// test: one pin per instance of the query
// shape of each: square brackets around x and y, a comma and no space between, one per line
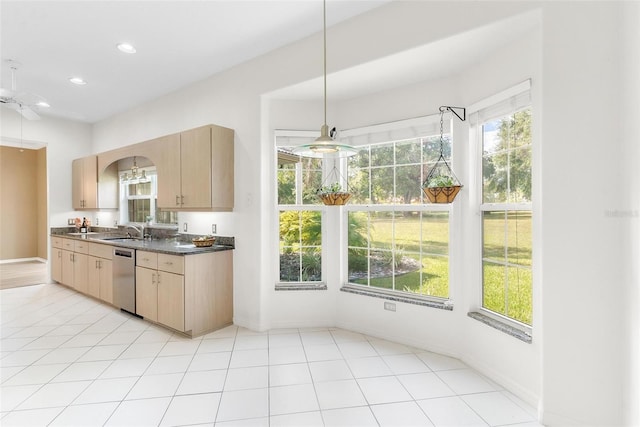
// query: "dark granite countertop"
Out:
[178,245]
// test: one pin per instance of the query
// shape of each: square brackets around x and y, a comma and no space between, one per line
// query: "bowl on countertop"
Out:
[203,243]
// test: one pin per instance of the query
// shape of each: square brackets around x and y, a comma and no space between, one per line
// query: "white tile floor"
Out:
[68,360]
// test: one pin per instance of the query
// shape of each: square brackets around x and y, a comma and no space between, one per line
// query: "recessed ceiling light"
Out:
[43,104]
[77,81]
[126,48]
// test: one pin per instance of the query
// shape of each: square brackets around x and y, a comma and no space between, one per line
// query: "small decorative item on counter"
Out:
[204,241]
[78,223]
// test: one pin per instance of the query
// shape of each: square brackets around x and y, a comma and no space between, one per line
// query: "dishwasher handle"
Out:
[123,253]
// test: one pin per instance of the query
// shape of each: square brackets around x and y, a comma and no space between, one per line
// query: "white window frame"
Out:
[393,132]
[509,101]
[292,138]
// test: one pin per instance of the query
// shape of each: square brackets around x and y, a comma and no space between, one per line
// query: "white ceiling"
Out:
[178,42]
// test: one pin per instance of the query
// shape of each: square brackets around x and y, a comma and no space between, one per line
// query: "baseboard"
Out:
[16,260]
[398,339]
[526,395]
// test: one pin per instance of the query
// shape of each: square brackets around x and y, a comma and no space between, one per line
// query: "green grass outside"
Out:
[515,302]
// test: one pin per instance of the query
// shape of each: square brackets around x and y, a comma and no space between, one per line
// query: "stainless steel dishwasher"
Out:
[124,279]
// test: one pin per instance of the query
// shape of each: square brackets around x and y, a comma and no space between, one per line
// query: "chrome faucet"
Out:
[139,229]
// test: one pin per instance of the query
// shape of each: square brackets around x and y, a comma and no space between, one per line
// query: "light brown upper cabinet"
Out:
[195,169]
[84,188]
[90,191]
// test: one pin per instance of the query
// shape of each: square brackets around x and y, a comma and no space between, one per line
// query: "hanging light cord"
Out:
[324,53]
[442,110]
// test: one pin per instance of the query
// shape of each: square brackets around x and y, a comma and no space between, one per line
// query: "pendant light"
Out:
[135,178]
[325,145]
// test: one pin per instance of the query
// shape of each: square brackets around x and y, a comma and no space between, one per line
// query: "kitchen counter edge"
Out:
[167,246]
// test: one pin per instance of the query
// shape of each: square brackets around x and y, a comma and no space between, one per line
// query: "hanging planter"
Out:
[441,184]
[333,194]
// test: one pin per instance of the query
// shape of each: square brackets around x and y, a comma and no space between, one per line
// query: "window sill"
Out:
[301,287]
[391,296]
[501,326]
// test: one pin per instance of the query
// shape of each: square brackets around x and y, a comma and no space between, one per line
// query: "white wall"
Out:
[630,111]
[577,371]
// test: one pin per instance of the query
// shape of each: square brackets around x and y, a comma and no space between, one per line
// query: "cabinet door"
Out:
[67,268]
[166,156]
[81,272]
[171,300]
[84,189]
[56,264]
[195,161]
[77,177]
[90,182]
[147,293]
[222,175]
[93,276]
[106,280]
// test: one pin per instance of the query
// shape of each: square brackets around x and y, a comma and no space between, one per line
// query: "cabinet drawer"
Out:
[67,244]
[101,251]
[81,247]
[147,259]
[171,263]
[56,242]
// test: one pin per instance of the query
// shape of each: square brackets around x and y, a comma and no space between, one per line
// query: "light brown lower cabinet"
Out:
[191,294]
[56,259]
[101,279]
[67,268]
[84,266]
[160,288]
[101,272]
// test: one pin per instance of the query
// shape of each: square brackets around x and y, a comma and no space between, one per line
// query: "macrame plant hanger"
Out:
[441,184]
[334,194]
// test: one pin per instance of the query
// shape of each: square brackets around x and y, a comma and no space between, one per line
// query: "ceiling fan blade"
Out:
[24,111]
[28,113]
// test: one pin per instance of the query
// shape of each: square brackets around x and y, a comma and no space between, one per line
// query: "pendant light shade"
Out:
[325,145]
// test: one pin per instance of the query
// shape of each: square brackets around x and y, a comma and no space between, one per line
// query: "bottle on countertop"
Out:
[83,227]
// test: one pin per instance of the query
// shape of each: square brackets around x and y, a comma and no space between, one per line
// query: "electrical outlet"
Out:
[214,228]
[71,221]
[97,221]
[390,306]
[184,227]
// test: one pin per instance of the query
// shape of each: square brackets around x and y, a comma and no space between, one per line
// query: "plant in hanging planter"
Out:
[442,185]
[441,188]
[333,194]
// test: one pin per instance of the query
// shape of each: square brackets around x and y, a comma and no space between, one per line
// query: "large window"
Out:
[506,216]
[395,240]
[300,218]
